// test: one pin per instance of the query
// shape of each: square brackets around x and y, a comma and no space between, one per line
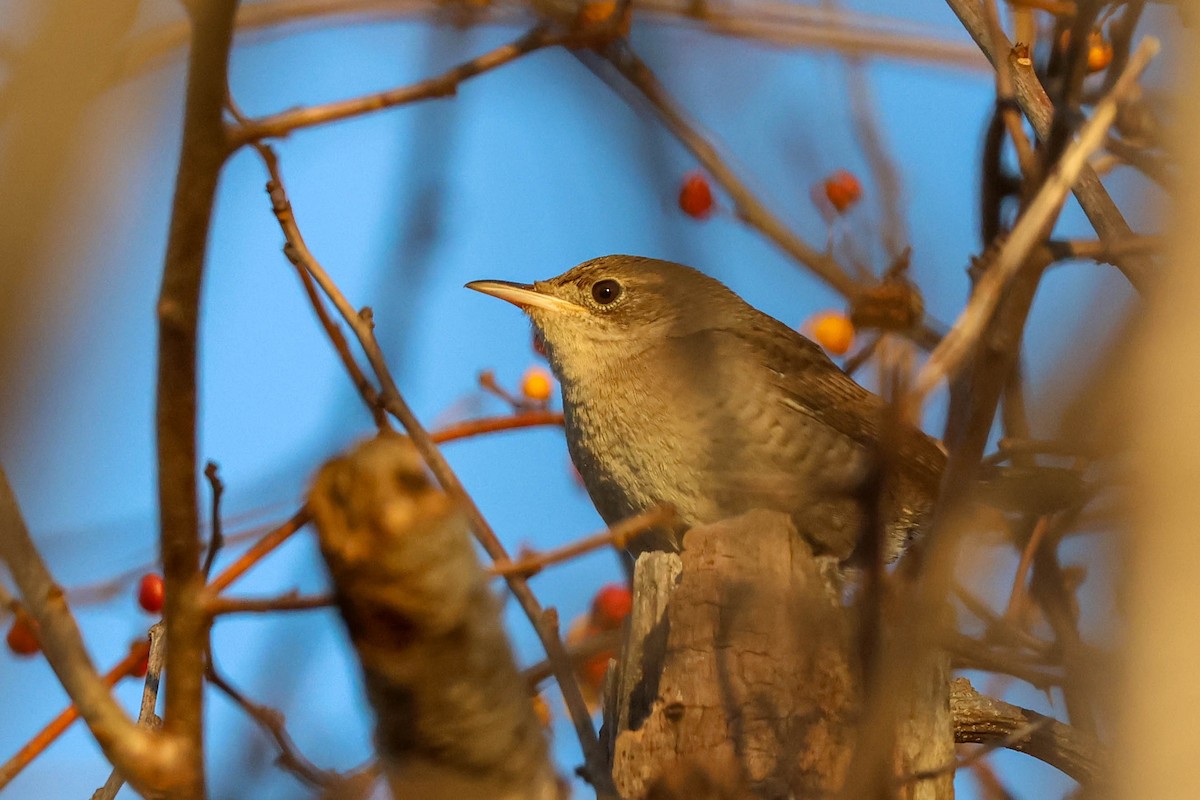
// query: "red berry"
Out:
[21,638]
[695,196]
[141,667]
[593,670]
[151,592]
[611,606]
[842,190]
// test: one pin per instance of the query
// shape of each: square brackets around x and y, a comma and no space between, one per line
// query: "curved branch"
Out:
[138,753]
[982,720]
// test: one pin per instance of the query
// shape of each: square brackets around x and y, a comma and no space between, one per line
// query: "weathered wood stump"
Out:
[741,678]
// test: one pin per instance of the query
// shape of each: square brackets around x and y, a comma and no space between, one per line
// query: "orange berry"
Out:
[1100,52]
[537,384]
[542,709]
[834,332]
[611,606]
[21,638]
[695,196]
[594,12]
[842,190]
[151,593]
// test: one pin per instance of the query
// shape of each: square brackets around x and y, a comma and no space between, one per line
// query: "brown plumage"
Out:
[676,390]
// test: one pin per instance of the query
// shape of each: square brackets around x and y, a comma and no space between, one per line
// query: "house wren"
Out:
[675,390]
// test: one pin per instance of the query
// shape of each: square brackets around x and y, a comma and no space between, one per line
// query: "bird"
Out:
[677,391]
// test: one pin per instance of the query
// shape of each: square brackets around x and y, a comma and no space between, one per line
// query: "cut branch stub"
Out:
[454,716]
[739,668]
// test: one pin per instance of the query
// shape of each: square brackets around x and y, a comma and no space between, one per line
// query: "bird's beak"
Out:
[524,296]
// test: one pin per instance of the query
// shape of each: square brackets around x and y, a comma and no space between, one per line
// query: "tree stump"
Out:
[741,677]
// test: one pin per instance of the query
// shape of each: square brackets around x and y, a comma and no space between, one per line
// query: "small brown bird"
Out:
[675,390]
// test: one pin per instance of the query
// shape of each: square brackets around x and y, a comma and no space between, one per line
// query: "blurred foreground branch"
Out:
[454,716]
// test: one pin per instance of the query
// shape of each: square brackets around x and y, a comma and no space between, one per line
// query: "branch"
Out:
[275,726]
[1099,207]
[148,760]
[205,147]
[781,25]
[59,725]
[444,85]
[982,720]
[291,601]
[362,325]
[146,716]
[454,717]
[1033,226]
[618,536]
[747,206]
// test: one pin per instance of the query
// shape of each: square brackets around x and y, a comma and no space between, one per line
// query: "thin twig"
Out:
[273,723]
[146,715]
[746,204]
[290,601]
[216,540]
[779,24]
[444,85]
[618,536]
[252,556]
[362,325]
[947,358]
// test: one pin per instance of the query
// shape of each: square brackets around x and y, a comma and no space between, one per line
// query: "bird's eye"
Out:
[606,291]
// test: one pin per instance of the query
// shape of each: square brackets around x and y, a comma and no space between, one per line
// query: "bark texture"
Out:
[741,679]
[454,716]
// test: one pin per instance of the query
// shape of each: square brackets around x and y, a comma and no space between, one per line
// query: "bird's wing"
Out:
[807,382]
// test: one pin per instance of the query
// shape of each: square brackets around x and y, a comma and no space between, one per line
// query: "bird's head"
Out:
[611,309]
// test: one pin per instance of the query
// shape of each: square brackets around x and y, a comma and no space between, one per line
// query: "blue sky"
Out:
[529,170]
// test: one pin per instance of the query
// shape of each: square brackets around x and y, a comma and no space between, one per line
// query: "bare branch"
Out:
[746,203]
[362,325]
[146,716]
[982,720]
[1033,226]
[444,85]
[618,536]
[290,601]
[146,758]
[205,147]
[1099,207]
